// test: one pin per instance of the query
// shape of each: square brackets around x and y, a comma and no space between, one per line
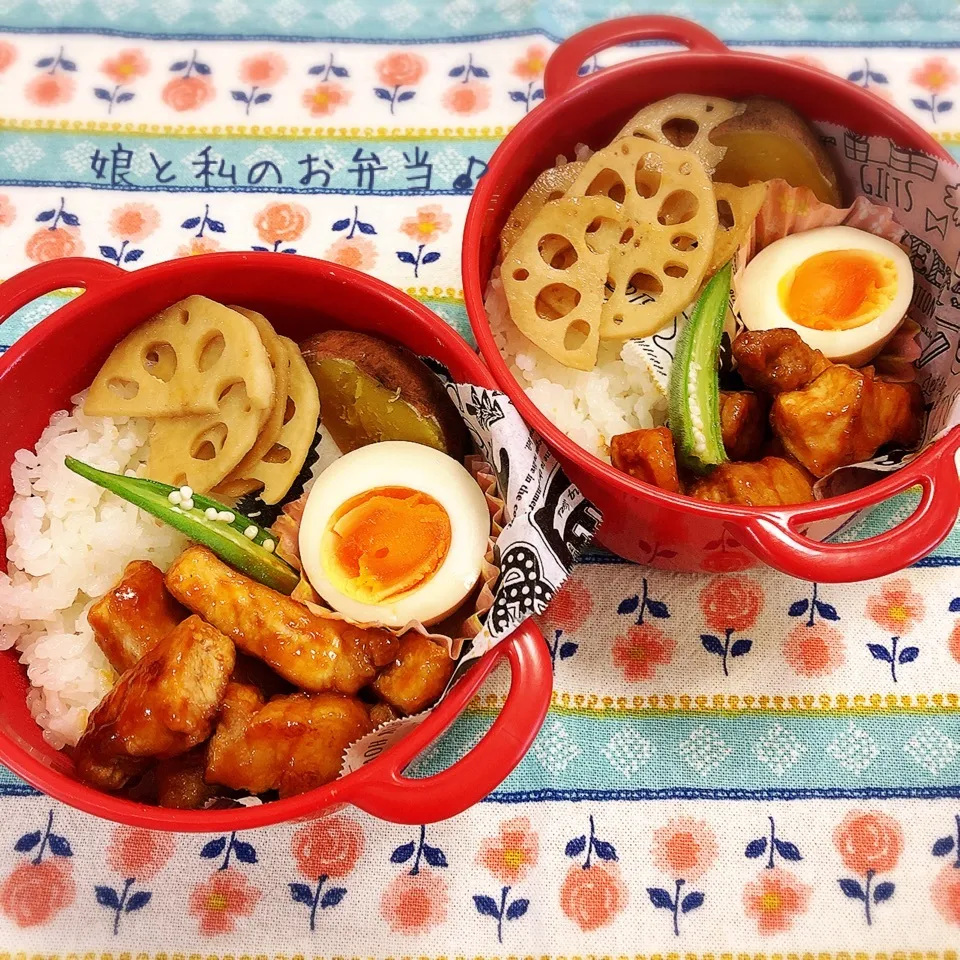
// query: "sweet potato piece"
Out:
[371,390]
[647,455]
[770,141]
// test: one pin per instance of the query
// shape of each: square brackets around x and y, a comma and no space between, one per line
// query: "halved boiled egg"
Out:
[842,290]
[394,532]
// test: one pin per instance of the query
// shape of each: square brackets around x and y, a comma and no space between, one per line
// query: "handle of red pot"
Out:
[23,288]
[561,72]
[388,794]
[774,540]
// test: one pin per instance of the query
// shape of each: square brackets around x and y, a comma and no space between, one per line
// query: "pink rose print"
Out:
[416,900]
[423,229]
[897,608]
[814,649]
[217,903]
[328,848]
[8,212]
[281,223]
[467,98]
[685,850]
[530,67]
[35,892]
[398,70]
[469,95]
[8,53]
[945,893]
[868,843]
[192,89]
[729,604]
[60,239]
[413,904]
[592,894]
[358,254]
[509,857]
[260,72]
[135,854]
[775,899]
[645,646]
[39,888]
[123,69]
[130,223]
[52,88]
[568,608]
[935,75]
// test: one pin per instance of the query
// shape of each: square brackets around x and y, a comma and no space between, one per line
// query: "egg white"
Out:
[397,463]
[759,304]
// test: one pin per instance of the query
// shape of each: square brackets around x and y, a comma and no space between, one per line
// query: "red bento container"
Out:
[301,296]
[641,522]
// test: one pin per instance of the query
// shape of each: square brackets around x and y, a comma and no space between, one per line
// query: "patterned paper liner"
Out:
[454,631]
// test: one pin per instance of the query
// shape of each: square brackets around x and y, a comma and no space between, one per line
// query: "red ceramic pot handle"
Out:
[25,287]
[774,540]
[389,795]
[561,72]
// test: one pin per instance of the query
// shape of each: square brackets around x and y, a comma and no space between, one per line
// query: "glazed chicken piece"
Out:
[291,744]
[134,616]
[776,360]
[180,783]
[160,708]
[743,423]
[844,417]
[647,455]
[770,482]
[312,652]
[417,677]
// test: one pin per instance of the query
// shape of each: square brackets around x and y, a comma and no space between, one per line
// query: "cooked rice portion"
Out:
[68,542]
[590,406]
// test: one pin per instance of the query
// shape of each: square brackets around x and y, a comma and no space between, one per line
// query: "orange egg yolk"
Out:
[385,543]
[838,289]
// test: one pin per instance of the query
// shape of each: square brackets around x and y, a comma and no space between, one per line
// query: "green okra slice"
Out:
[238,541]
[695,380]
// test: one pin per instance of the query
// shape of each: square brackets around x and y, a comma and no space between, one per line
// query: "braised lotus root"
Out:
[200,451]
[737,208]
[555,273]
[180,362]
[278,467]
[280,361]
[552,184]
[668,216]
[685,120]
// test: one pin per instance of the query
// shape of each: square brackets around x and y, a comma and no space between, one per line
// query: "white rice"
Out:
[68,542]
[590,407]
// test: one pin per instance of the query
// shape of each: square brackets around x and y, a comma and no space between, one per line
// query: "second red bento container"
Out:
[642,522]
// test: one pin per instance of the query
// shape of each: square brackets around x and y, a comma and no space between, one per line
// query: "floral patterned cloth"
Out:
[735,762]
